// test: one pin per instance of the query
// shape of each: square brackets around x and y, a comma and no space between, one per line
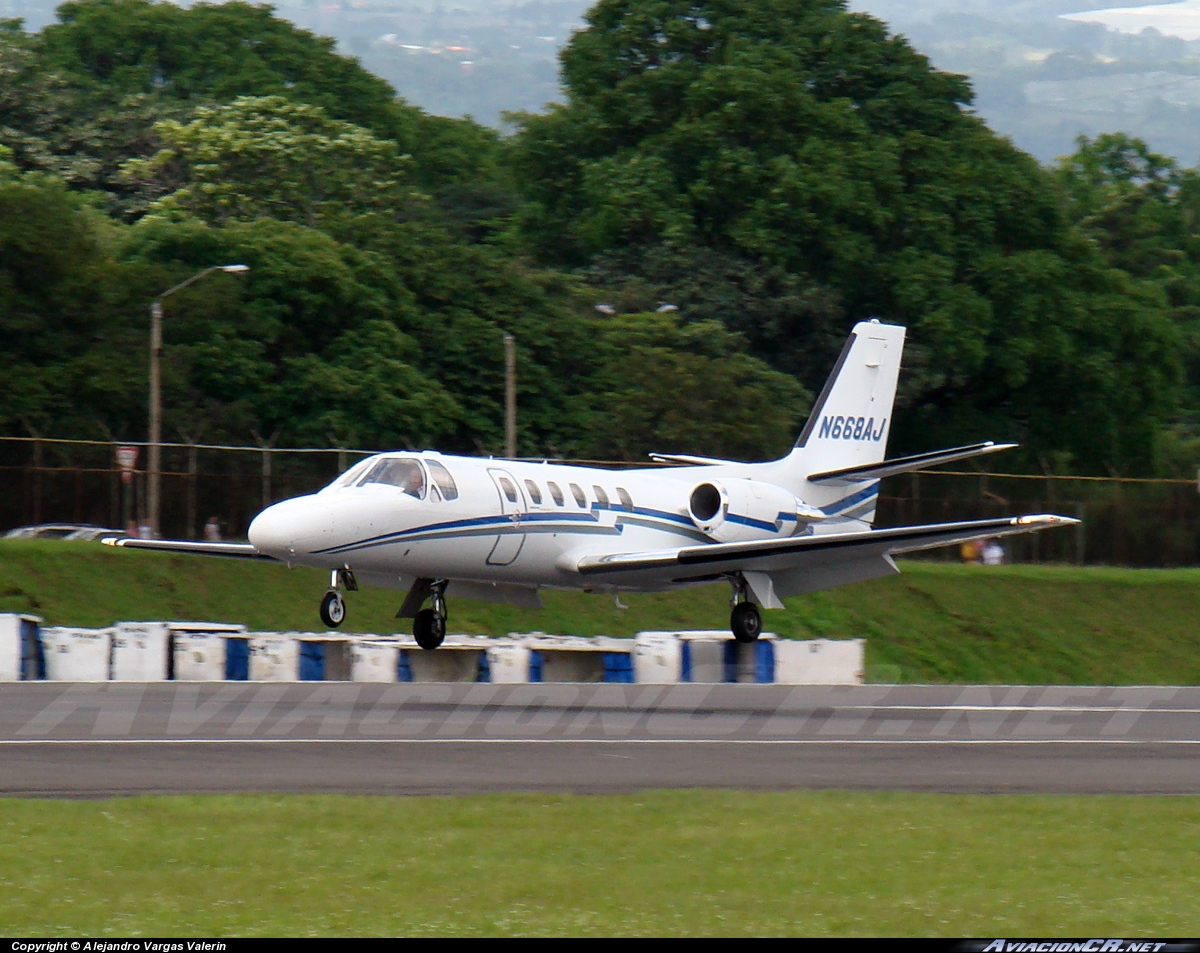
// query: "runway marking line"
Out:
[909,742]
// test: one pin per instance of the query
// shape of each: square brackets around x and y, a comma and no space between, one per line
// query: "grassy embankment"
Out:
[658,863]
[936,622]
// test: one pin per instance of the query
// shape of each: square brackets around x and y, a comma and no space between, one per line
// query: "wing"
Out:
[229,550]
[802,563]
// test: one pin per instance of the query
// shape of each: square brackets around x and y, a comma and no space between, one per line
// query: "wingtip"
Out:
[1045,519]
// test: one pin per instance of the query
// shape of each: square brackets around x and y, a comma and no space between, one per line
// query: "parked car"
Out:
[94,532]
[62,531]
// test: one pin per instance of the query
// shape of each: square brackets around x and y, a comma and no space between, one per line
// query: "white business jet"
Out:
[499,530]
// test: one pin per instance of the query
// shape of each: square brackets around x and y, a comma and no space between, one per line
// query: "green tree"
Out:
[805,146]
[268,157]
[1141,211]
[687,389]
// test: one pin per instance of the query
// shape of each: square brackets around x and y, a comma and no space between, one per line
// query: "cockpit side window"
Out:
[445,482]
[402,472]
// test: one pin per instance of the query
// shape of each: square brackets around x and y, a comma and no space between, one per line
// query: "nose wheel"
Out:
[333,609]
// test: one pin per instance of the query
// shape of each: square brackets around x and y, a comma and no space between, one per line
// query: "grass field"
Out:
[659,863]
[937,622]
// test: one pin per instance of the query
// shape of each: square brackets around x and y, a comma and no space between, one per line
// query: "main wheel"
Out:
[333,609]
[429,629]
[746,622]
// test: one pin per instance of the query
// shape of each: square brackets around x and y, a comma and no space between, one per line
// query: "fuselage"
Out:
[518,522]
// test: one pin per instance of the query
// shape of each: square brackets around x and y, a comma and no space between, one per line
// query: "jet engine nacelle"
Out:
[737,510]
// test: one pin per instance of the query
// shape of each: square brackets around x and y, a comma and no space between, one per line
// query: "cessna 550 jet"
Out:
[437,526]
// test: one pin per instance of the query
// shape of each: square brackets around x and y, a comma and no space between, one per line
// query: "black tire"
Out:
[745,622]
[429,629]
[333,609]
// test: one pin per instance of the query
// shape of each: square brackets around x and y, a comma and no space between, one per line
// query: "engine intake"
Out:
[737,510]
[705,503]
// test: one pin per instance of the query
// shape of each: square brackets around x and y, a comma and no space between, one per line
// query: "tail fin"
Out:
[850,421]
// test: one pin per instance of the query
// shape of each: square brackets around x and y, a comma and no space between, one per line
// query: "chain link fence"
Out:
[1126,522]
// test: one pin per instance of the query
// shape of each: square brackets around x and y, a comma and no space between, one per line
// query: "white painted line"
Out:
[909,742]
[1059,708]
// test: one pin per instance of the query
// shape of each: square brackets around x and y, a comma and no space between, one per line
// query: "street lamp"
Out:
[154,464]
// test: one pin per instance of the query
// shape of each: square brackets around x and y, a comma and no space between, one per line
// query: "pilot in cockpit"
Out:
[414,483]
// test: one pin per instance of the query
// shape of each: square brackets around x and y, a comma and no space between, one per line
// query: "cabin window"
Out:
[535,494]
[555,492]
[601,496]
[509,490]
[402,472]
[443,479]
[577,492]
[626,499]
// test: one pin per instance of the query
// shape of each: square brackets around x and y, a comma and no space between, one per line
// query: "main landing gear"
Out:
[429,625]
[745,621]
[333,606]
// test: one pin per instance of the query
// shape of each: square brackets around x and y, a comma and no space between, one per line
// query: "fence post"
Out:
[114,490]
[265,446]
[266,478]
[1080,536]
[191,491]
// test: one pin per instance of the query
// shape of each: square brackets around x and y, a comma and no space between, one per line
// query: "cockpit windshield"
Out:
[348,478]
[402,472]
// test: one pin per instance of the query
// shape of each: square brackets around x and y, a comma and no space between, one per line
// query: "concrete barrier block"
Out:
[372,661]
[274,657]
[141,652]
[657,658]
[198,656]
[21,653]
[819,662]
[509,663]
[77,655]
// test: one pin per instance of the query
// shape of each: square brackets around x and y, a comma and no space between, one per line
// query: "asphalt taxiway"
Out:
[94,739]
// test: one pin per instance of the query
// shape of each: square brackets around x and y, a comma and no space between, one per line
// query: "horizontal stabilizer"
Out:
[692,461]
[229,550]
[920,461]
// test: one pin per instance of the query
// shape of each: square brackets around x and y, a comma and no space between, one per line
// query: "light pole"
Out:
[510,396]
[154,463]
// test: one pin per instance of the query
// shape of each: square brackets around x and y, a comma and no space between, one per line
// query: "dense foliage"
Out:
[724,156]
[775,170]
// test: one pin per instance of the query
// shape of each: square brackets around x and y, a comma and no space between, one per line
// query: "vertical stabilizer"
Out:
[850,422]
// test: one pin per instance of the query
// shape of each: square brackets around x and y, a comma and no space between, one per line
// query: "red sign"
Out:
[127,461]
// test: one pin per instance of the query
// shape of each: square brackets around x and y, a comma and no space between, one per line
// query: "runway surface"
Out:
[86,740]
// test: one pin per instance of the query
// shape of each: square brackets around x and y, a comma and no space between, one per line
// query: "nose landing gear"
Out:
[333,606]
[333,609]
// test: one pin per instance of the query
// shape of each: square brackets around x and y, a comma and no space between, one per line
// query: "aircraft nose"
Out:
[274,530]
